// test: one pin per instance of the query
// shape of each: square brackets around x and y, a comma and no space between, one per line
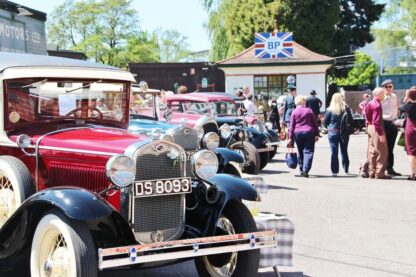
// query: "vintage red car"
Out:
[258,146]
[78,193]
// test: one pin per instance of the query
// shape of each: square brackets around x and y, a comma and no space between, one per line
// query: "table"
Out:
[282,254]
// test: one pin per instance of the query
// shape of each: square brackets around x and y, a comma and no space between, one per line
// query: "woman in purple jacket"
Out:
[305,132]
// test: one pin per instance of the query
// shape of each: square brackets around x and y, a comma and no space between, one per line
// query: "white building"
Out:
[268,77]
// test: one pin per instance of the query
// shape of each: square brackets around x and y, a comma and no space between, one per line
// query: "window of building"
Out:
[269,87]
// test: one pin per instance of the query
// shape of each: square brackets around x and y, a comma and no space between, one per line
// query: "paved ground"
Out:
[345,226]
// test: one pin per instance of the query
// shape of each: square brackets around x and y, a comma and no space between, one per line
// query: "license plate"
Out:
[190,154]
[162,187]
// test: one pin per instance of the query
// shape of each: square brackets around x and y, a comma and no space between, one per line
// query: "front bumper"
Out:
[187,248]
[269,147]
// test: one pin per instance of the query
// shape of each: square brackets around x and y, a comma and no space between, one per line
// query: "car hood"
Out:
[146,125]
[230,120]
[98,139]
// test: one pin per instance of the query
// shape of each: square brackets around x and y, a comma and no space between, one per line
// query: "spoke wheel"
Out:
[7,199]
[236,218]
[15,186]
[62,247]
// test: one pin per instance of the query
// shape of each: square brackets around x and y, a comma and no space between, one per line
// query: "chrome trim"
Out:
[273,143]
[196,247]
[131,150]
[76,150]
[206,119]
[265,149]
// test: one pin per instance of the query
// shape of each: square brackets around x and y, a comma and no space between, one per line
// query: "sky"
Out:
[185,16]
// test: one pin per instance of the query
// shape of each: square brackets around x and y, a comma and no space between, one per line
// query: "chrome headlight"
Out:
[156,133]
[269,125]
[225,131]
[200,131]
[120,170]
[205,164]
[211,141]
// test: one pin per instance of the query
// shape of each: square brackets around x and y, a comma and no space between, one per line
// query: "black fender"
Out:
[226,155]
[232,189]
[107,226]
[256,138]
[273,136]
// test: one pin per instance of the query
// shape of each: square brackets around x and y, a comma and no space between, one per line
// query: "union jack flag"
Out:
[273,45]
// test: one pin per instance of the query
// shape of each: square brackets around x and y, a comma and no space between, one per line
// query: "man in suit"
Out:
[314,103]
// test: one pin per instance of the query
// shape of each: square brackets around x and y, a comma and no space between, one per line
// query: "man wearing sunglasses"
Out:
[390,107]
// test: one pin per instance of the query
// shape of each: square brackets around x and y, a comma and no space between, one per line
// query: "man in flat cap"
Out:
[390,107]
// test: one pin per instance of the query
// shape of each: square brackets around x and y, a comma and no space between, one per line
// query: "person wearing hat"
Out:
[314,103]
[289,105]
[390,107]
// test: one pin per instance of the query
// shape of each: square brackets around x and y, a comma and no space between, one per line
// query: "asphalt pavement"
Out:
[345,225]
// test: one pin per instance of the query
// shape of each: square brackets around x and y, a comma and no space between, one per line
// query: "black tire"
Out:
[273,153]
[247,261]
[264,159]
[251,156]
[72,238]
[16,182]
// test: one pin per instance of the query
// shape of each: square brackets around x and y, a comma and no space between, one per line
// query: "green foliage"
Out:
[331,27]
[172,44]
[399,70]
[362,73]
[107,31]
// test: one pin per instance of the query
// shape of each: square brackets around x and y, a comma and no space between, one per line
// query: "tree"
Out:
[172,44]
[329,27]
[104,30]
[363,72]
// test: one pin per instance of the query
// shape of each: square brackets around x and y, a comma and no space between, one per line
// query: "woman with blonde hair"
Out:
[305,132]
[337,135]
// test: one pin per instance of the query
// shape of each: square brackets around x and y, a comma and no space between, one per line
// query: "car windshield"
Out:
[143,104]
[211,108]
[37,100]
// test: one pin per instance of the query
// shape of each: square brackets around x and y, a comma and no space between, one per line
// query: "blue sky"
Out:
[185,16]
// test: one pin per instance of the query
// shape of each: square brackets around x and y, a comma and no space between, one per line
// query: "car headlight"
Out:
[225,131]
[205,164]
[269,125]
[200,131]
[211,141]
[156,133]
[120,170]
[167,137]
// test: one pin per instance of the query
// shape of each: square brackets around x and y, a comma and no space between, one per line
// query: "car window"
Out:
[34,100]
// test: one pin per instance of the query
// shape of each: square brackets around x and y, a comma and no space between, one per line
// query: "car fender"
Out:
[107,226]
[228,155]
[205,217]
[256,138]
[273,136]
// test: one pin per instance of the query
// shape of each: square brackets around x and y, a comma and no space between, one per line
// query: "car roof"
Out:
[201,97]
[9,60]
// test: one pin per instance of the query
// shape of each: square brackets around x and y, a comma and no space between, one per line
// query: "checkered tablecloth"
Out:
[257,182]
[281,255]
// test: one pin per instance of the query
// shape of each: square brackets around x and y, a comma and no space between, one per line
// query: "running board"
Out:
[187,248]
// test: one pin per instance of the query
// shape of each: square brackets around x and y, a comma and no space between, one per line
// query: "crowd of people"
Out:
[384,117]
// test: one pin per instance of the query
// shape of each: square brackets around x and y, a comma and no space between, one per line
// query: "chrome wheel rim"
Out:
[55,256]
[228,269]
[7,199]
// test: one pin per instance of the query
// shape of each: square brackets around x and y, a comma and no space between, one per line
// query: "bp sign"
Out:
[273,45]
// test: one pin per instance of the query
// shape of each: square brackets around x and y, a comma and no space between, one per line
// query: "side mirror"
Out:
[168,114]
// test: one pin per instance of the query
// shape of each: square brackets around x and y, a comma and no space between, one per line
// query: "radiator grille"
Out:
[88,177]
[187,138]
[163,214]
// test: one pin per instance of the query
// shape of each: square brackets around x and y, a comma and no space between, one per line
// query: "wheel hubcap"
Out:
[7,199]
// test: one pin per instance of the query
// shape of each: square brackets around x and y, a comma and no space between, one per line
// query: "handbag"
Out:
[291,158]
[401,140]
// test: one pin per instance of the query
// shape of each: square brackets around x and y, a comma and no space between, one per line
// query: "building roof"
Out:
[8,60]
[301,55]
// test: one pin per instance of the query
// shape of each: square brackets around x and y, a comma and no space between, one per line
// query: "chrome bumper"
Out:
[266,149]
[187,248]
[270,144]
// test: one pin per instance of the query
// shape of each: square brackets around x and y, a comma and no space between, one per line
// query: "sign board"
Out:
[273,45]
[204,82]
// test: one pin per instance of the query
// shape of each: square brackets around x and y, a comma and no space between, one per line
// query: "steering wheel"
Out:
[74,112]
